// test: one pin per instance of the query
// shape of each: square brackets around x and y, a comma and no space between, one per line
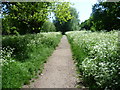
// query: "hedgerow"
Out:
[97,58]
[23,56]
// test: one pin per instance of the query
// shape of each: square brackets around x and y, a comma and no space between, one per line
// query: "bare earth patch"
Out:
[59,71]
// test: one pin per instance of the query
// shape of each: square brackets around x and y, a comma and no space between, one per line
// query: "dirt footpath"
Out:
[59,71]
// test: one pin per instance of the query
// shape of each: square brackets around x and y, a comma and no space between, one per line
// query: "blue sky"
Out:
[84,7]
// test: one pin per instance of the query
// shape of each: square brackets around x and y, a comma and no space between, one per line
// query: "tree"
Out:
[73,24]
[28,17]
[70,25]
[87,24]
[48,27]
[25,17]
[105,16]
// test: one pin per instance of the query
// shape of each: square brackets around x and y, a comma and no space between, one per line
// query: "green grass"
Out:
[23,56]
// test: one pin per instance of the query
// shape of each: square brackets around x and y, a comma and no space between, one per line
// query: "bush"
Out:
[97,58]
[23,56]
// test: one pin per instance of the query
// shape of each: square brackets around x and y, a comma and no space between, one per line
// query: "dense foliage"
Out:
[28,17]
[48,27]
[105,16]
[23,56]
[97,57]
[70,25]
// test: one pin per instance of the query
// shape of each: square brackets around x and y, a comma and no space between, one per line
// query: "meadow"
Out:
[94,43]
[23,57]
[97,58]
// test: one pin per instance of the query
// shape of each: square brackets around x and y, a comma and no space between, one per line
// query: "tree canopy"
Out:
[28,17]
[105,16]
[48,27]
[70,25]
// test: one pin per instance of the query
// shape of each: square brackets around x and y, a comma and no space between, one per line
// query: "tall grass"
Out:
[23,56]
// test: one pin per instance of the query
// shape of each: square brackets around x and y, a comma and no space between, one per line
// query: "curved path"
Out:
[59,71]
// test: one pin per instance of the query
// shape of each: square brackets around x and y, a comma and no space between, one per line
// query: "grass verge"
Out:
[23,56]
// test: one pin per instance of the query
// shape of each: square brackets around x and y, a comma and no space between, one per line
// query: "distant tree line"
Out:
[32,17]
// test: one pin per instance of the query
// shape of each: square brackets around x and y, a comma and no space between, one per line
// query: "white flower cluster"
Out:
[29,43]
[101,58]
[6,56]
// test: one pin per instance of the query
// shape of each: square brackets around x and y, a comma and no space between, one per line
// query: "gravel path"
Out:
[59,71]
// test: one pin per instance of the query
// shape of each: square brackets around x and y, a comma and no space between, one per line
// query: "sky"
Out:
[84,7]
